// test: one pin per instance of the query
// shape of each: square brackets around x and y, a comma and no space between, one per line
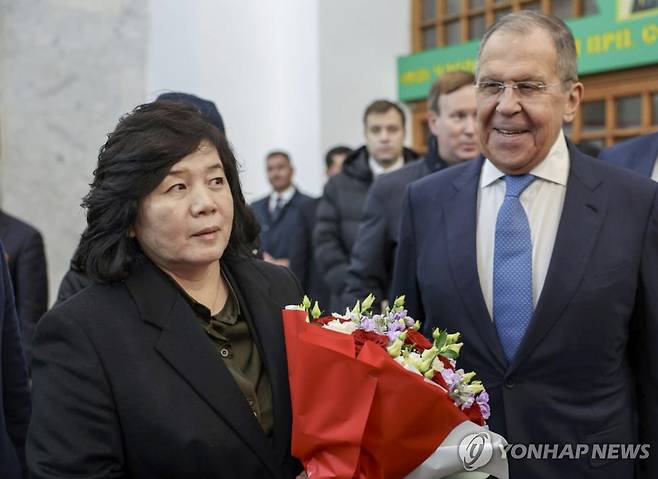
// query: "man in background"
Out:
[452,122]
[26,258]
[302,260]
[340,209]
[639,154]
[278,212]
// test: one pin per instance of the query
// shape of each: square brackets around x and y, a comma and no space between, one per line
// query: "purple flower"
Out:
[468,402]
[450,377]
[483,402]
[393,334]
[368,324]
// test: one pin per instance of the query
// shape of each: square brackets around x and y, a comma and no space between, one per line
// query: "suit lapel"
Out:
[264,318]
[183,344]
[582,216]
[460,212]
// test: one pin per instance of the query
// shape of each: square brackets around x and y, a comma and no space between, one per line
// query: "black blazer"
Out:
[127,384]
[14,391]
[27,266]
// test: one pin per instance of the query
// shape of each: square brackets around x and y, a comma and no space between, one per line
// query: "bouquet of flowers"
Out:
[373,398]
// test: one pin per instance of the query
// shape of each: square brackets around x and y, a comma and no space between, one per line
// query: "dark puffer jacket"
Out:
[338,217]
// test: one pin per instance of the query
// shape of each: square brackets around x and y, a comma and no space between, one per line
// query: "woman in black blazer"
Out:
[173,364]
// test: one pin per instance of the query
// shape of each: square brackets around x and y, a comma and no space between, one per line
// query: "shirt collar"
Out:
[378,169]
[285,195]
[554,168]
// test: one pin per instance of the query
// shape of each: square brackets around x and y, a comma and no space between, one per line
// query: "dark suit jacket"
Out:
[27,266]
[638,154]
[373,254]
[127,384]
[586,369]
[14,391]
[276,233]
[302,260]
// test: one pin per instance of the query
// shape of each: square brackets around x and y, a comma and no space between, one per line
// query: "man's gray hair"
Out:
[523,22]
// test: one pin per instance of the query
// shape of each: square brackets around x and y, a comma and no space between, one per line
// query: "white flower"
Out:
[348,327]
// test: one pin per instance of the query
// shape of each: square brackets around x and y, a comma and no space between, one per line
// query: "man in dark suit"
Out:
[14,391]
[451,118]
[341,206]
[302,258]
[278,212]
[639,154]
[27,267]
[546,260]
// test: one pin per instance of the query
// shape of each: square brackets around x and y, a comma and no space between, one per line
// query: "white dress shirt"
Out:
[542,201]
[285,195]
[378,169]
[654,173]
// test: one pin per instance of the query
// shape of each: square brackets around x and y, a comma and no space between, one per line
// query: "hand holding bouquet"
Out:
[374,398]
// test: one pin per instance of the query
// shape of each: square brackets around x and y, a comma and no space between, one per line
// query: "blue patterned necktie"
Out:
[512,268]
[278,206]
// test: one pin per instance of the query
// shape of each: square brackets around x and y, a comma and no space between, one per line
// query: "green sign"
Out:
[616,38]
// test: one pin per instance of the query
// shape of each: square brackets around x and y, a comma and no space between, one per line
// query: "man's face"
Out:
[279,172]
[455,125]
[517,133]
[385,136]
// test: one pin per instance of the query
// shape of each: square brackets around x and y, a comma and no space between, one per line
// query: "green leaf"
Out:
[366,304]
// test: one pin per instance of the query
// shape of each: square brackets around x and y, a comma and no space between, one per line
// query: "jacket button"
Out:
[224,352]
[509,383]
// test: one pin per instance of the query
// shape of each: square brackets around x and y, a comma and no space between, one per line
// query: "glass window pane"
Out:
[654,108]
[453,33]
[562,8]
[594,115]
[476,27]
[476,3]
[629,111]
[429,10]
[429,38]
[590,7]
[501,1]
[453,7]
[536,6]
[501,13]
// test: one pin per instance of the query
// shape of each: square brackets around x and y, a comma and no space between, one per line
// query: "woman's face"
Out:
[184,225]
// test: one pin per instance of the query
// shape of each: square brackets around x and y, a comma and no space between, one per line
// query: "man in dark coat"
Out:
[340,209]
[639,154]
[451,117]
[302,258]
[27,266]
[14,391]
[278,212]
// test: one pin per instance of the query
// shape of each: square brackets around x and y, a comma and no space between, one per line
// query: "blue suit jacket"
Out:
[14,392]
[587,368]
[276,233]
[638,154]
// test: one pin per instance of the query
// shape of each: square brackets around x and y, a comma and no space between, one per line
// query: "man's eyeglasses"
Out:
[526,89]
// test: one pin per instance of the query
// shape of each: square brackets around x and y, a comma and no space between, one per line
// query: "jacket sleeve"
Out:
[369,269]
[405,281]
[75,429]
[15,390]
[331,255]
[31,283]
[301,251]
[646,354]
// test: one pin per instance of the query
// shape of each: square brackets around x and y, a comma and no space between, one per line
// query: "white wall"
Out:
[286,74]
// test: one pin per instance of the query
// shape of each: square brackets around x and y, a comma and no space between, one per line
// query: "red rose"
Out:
[360,337]
[420,342]
[474,414]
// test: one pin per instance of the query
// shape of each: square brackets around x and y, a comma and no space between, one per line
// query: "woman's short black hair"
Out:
[137,156]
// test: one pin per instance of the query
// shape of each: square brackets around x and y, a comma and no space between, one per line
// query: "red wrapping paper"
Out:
[359,416]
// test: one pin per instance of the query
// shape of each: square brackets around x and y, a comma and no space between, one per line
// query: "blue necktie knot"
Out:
[515,185]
